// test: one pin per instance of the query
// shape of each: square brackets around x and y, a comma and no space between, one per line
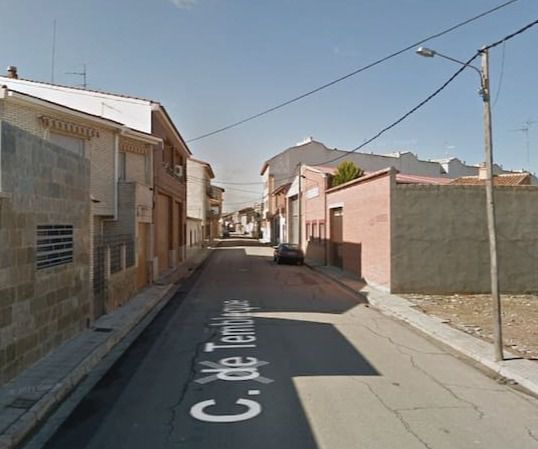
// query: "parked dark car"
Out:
[288,252]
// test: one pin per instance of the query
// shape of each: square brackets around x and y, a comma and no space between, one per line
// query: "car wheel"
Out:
[300,262]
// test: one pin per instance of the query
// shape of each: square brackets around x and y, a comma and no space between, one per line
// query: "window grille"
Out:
[54,245]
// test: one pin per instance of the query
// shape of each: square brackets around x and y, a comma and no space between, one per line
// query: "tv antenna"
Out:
[526,130]
[82,74]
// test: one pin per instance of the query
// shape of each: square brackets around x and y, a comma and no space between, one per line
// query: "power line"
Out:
[501,76]
[209,183]
[351,74]
[432,95]
[410,112]
[510,36]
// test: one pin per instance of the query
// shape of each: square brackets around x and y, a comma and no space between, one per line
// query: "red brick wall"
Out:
[366,227]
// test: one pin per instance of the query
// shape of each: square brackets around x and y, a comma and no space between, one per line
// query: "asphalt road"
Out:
[257,355]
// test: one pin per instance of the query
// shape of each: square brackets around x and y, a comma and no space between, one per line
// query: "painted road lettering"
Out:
[236,329]
[198,411]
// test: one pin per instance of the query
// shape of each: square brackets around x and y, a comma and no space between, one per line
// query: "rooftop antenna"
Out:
[525,129]
[83,74]
[53,51]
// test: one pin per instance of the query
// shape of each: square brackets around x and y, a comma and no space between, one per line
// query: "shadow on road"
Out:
[146,399]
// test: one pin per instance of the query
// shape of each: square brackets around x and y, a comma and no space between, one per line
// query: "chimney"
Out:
[482,172]
[12,72]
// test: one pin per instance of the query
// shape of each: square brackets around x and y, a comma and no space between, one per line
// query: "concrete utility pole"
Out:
[490,198]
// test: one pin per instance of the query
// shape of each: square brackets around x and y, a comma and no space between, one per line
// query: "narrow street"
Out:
[253,354]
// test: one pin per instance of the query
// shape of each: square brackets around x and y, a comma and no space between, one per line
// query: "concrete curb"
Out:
[120,323]
[521,371]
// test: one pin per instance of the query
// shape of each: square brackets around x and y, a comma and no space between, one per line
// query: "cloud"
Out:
[184,4]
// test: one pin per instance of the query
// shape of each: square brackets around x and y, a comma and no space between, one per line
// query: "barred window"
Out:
[54,245]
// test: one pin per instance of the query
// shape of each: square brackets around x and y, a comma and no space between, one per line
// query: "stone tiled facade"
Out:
[99,149]
[40,183]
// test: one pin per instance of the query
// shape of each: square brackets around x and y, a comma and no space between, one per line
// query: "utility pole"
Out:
[490,198]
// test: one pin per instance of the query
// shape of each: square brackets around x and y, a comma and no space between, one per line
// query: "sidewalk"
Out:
[27,399]
[523,372]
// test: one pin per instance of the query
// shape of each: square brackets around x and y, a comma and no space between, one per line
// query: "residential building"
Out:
[282,169]
[120,188]
[204,201]
[167,232]
[248,221]
[216,198]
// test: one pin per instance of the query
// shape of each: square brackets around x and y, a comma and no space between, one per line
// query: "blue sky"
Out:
[212,62]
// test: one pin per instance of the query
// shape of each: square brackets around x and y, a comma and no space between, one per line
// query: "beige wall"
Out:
[440,239]
[138,161]
[198,182]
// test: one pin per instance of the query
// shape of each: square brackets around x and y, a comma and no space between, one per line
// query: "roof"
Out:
[325,169]
[207,165]
[413,179]
[64,86]
[306,142]
[98,118]
[155,105]
[281,189]
[505,179]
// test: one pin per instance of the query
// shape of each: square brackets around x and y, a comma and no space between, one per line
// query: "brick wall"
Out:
[39,309]
[366,227]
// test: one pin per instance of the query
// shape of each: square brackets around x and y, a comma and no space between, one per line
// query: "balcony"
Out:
[214,193]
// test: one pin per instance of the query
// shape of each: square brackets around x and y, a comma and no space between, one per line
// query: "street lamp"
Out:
[490,203]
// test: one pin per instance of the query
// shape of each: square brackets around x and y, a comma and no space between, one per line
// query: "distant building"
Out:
[282,169]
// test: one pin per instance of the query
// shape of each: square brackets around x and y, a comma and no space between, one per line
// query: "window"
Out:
[321,231]
[314,230]
[308,231]
[54,245]
[122,166]
[71,143]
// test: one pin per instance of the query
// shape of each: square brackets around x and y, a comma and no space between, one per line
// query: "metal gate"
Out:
[336,238]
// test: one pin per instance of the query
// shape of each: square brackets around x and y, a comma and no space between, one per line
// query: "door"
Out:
[142,268]
[163,231]
[336,237]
